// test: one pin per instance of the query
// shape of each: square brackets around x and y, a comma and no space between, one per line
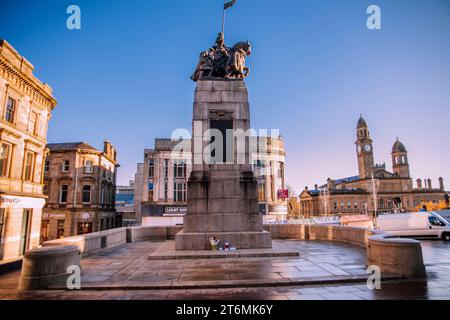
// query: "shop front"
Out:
[20,221]
[163,215]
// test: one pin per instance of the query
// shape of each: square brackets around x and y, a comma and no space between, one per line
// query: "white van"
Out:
[415,224]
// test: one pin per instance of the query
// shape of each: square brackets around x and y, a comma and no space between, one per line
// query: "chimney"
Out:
[429,184]
[419,183]
[330,184]
[441,184]
[306,188]
[316,187]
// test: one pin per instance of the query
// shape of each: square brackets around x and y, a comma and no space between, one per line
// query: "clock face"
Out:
[367,147]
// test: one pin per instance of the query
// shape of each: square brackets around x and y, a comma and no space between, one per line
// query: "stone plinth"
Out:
[222,197]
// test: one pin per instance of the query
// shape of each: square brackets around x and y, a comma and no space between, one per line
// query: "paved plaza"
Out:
[322,271]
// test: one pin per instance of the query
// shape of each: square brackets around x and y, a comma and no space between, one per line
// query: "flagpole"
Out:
[223,19]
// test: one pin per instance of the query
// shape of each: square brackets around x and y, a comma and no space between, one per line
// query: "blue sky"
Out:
[315,68]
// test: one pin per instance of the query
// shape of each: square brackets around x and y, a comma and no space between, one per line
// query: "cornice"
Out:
[34,91]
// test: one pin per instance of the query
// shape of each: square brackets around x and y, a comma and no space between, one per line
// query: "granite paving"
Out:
[129,265]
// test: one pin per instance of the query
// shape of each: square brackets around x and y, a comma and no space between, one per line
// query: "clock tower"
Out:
[364,149]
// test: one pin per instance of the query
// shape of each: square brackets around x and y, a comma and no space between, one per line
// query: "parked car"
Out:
[415,224]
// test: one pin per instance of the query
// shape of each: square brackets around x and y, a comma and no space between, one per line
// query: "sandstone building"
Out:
[353,195]
[160,194]
[80,182]
[25,109]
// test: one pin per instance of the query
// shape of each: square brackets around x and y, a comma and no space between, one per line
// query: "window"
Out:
[389,203]
[88,166]
[29,166]
[33,125]
[66,166]
[166,190]
[86,194]
[5,154]
[47,166]
[10,110]
[436,222]
[261,190]
[166,168]
[84,227]
[179,169]
[151,168]
[150,191]
[349,205]
[342,205]
[356,206]
[63,193]
[179,192]
[2,221]
[45,230]
[335,206]
[61,228]
[102,195]
[381,203]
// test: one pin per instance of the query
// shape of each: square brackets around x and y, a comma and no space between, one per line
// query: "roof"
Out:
[347,179]
[342,180]
[361,123]
[398,147]
[70,146]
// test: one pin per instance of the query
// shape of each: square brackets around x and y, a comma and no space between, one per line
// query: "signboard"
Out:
[21,202]
[85,215]
[60,216]
[175,210]
[278,209]
[283,194]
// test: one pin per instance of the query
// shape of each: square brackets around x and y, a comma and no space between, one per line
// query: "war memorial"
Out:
[223,249]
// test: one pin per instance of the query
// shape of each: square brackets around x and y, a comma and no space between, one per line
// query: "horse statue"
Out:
[222,62]
[235,67]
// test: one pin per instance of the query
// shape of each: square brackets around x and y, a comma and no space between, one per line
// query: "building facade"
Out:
[268,167]
[80,182]
[25,109]
[394,191]
[160,195]
[162,189]
[125,204]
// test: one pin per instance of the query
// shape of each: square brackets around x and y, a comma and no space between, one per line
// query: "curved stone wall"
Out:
[393,255]
[47,266]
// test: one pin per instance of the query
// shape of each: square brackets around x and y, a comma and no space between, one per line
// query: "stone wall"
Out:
[92,243]
[136,234]
[393,255]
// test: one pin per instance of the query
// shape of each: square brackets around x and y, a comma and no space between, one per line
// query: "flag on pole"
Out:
[229,4]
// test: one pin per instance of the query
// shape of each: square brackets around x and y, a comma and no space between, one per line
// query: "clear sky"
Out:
[315,68]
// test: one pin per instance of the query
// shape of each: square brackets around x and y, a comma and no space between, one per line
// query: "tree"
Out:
[325,197]
[372,186]
[431,206]
[293,208]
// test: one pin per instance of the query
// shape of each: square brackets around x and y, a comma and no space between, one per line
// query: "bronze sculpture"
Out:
[220,61]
